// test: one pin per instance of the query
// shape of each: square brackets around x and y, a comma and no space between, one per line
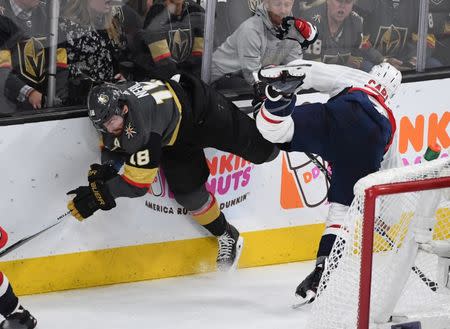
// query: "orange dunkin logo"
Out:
[302,183]
[419,132]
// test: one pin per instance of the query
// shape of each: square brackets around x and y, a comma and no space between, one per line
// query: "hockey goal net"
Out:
[377,274]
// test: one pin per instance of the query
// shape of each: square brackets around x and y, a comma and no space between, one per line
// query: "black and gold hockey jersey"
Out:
[439,28]
[390,28]
[168,125]
[24,56]
[344,47]
[152,122]
[173,42]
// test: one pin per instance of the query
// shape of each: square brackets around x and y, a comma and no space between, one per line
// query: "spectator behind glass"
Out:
[439,26]
[96,39]
[24,31]
[390,32]
[141,7]
[172,40]
[134,13]
[254,44]
[340,34]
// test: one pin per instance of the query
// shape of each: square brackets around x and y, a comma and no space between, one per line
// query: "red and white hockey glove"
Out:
[299,30]
[3,237]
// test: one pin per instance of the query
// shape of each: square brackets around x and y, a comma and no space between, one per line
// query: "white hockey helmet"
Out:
[388,76]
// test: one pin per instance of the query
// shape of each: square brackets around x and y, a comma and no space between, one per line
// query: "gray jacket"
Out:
[252,46]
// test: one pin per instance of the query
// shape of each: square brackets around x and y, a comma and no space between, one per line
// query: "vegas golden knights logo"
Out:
[32,59]
[180,44]
[252,4]
[391,39]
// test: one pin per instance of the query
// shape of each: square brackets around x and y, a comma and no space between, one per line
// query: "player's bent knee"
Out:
[193,200]
[274,154]
[270,155]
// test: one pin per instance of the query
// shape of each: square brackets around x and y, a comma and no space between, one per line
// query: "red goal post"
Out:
[377,273]
[371,194]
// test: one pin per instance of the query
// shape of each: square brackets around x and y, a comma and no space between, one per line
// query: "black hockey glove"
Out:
[101,172]
[89,199]
[259,96]
[258,91]
[308,287]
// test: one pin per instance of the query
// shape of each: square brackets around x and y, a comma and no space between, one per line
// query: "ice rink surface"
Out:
[255,298]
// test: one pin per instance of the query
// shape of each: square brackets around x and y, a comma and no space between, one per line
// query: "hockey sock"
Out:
[8,300]
[210,216]
[325,246]
[283,107]
[218,226]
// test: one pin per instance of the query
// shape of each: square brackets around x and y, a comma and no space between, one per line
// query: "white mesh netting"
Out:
[399,269]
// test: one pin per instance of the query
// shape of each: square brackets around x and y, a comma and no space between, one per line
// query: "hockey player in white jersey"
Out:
[353,131]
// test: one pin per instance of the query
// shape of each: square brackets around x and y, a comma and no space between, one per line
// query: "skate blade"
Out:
[310,297]
[239,246]
[276,71]
[233,266]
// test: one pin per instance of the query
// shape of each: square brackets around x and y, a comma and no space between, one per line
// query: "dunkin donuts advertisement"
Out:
[293,181]
[287,192]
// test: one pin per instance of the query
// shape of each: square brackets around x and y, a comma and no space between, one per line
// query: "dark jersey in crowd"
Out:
[171,43]
[342,49]
[231,14]
[24,53]
[390,28]
[439,28]
[129,24]
[168,125]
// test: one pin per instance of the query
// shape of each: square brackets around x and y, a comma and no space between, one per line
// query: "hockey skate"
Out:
[21,319]
[282,73]
[282,81]
[230,248]
[307,289]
